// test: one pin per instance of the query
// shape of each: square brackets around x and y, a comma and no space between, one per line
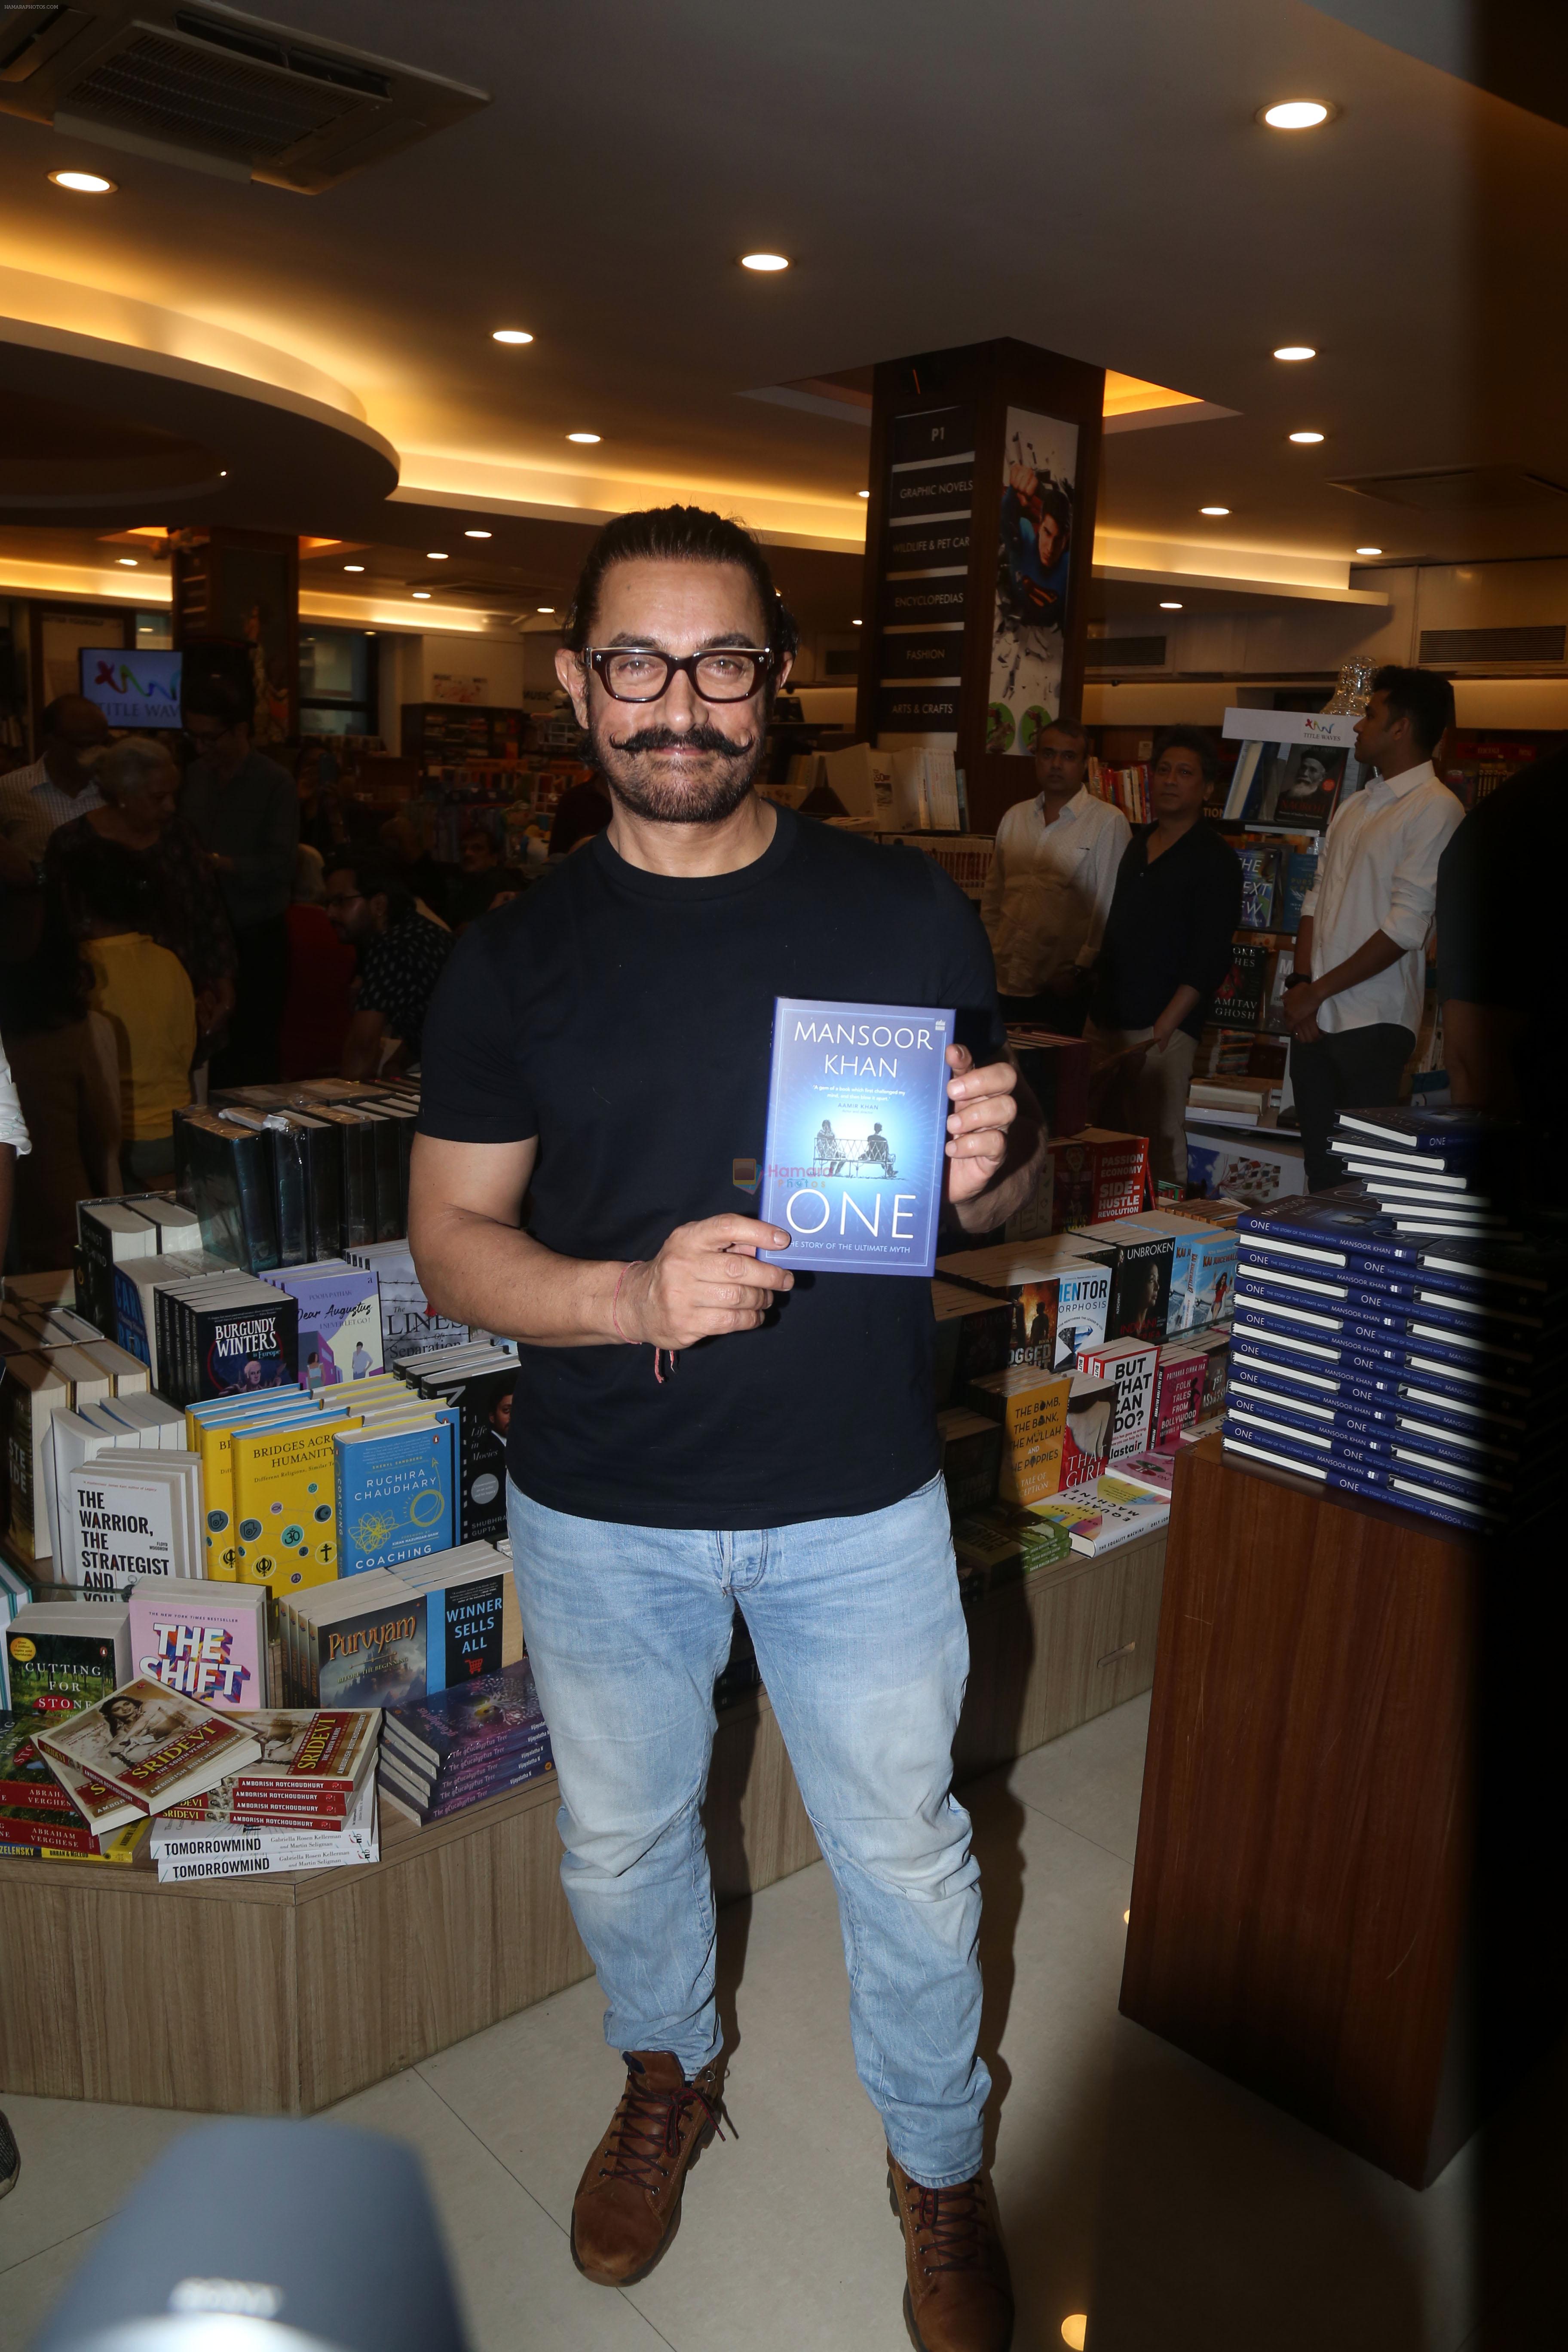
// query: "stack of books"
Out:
[307,1802]
[477,1380]
[134,1753]
[393,1636]
[1423,1169]
[484,1740]
[1423,1368]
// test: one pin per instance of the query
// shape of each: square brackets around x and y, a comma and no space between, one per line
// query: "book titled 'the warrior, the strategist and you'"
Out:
[857,1111]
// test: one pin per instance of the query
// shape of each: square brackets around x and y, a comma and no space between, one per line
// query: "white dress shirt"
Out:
[1048,891]
[1378,871]
[13,1125]
[32,807]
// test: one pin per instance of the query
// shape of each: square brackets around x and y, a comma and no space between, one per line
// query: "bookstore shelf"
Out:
[283,1994]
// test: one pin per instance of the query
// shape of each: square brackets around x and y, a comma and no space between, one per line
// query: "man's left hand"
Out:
[985,1106]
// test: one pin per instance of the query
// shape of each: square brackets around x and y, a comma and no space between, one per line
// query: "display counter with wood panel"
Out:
[1347,1893]
[281,1994]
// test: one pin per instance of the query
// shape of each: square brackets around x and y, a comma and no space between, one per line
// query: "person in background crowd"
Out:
[401,956]
[36,801]
[1048,891]
[66,1067]
[1167,947]
[319,1003]
[245,811]
[479,863]
[431,885]
[322,822]
[582,811]
[1353,1005]
[140,785]
[144,991]
[13,1145]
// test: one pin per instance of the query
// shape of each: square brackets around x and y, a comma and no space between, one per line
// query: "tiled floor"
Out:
[1174,2208]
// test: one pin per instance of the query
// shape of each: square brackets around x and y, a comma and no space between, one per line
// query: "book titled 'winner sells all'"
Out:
[857,1111]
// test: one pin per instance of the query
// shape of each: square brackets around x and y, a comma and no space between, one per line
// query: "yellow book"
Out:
[285,1506]
[211,1436]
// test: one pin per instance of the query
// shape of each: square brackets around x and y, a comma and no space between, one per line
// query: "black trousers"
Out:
[1356,1069]
[260,988]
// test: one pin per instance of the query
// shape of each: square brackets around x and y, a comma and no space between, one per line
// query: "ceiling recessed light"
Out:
[1075,2330]
[862,494]
[370,633]
[353,567]
[435,555]
[764,262]
[544,608]
[130,561]
[84,184]
[1306,437]
[1369,550]
[421,596]
[1296,114]
[223,474]
[1214,510]
[512,335]
[1296,352]
[583,437]
[479,534]
[1169,604]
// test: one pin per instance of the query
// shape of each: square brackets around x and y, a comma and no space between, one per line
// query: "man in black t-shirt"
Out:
[694,1426]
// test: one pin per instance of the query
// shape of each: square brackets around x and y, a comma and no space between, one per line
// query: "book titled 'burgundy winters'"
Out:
[858,1109]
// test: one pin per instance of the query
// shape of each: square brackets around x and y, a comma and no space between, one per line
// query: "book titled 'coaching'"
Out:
[857,1109]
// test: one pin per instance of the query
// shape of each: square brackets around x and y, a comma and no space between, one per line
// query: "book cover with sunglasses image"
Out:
[857,1111]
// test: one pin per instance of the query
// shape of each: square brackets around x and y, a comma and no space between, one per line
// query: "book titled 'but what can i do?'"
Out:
[857,1109]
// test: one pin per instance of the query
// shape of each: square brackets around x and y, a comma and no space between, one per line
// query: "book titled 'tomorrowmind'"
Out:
[857,1109]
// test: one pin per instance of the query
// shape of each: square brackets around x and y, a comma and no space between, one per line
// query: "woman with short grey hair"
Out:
[140,788]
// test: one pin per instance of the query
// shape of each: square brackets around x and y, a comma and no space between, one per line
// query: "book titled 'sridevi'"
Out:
[857,1109]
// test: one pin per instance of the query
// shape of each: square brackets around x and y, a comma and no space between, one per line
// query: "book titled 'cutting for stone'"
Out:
[857,1111]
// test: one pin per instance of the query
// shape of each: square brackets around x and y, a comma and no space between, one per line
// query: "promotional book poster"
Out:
[1039,467]
[857,1109]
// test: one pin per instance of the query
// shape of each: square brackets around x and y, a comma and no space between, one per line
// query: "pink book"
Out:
[206,1640]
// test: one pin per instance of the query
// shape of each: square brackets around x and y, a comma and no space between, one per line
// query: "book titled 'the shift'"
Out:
[857,1111]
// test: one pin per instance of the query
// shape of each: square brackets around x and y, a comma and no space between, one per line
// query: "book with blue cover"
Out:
[340,1320]
[1410,1494]
[1317,1222]
[1420,1130]
[857,1111]
[394,1493]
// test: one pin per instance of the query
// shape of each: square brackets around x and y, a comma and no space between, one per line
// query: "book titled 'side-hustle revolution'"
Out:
[857,1109]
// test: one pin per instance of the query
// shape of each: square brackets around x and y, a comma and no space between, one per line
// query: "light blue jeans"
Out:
[862,1646]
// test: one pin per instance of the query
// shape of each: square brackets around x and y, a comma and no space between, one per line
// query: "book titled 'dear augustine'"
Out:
[858,1109]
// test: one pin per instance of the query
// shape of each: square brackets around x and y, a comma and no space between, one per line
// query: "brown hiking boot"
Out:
[959,2297]
[627,2205]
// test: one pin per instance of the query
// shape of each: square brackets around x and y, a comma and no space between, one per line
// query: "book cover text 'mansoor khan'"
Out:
[857,1109]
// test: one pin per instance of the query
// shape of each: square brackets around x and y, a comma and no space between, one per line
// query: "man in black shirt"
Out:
[1166,949]
[692,1426]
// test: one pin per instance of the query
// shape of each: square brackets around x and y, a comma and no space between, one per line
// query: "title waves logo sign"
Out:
[140,689]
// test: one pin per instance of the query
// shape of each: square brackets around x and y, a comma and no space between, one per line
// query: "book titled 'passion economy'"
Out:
[857,1109]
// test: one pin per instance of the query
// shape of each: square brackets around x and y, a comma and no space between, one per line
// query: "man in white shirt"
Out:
[1048,890]
[35,802]
[1353,1005]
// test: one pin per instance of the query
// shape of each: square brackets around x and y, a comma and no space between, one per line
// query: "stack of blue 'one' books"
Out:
[1416,1360]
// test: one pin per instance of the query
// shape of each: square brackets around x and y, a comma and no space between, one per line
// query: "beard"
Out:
[710,795]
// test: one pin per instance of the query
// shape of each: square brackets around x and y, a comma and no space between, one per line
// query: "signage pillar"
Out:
[984,475]
[236,616]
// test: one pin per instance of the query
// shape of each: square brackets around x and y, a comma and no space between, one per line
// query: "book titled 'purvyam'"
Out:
[857,1109]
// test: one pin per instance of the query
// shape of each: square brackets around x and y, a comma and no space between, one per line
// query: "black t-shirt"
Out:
[626,1019]
[1169,926]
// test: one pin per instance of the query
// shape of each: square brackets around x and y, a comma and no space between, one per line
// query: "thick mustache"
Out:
[695,739]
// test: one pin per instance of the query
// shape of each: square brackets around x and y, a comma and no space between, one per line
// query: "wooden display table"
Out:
[280,1995]
[1327,1902]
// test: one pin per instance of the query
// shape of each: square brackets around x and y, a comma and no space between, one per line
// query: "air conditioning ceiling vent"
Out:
[225,91]
[1460,489]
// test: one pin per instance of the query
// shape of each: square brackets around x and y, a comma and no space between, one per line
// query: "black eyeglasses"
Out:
[637,674]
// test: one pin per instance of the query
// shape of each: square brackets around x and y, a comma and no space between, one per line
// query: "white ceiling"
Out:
[1087,174]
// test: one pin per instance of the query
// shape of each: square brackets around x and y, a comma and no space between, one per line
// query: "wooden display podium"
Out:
[1341,1898]
[280,1995]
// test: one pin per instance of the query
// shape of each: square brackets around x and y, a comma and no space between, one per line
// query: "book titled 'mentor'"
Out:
[857,1109]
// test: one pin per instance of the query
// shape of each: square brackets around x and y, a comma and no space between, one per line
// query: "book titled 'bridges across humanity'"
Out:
[858,1109]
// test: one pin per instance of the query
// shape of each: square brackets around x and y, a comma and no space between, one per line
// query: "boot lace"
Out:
[955,2225]
[652,2125]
